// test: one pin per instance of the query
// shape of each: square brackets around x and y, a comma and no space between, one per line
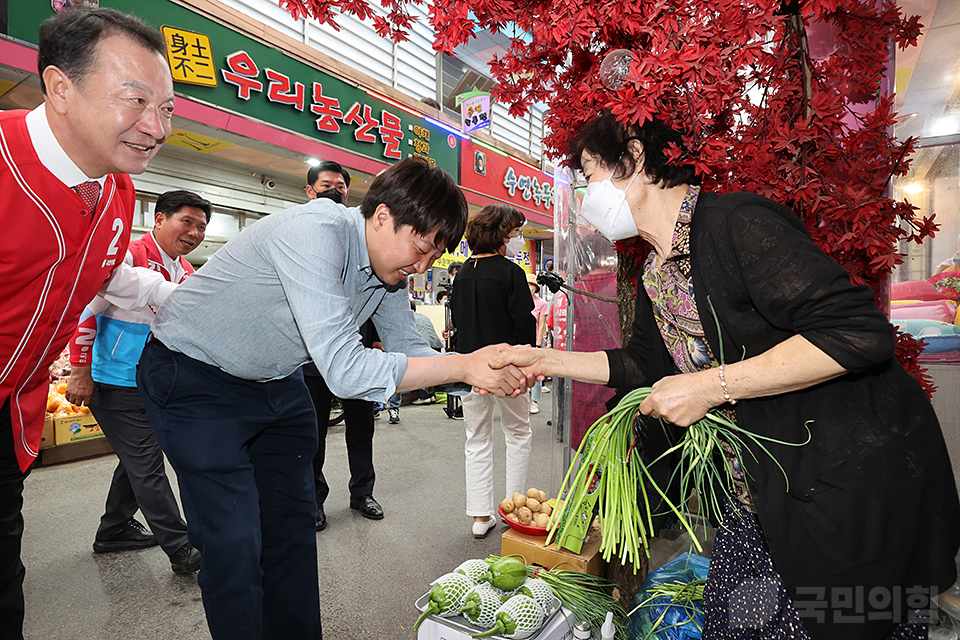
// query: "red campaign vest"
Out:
[146,253]
[56,255]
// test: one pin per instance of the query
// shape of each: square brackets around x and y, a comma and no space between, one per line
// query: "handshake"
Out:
[505,370]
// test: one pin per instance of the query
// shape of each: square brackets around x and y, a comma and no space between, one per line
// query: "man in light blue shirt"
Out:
[221,381]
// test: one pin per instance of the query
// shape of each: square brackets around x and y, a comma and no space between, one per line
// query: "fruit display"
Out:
[498,599]
[59,406]
[521,611]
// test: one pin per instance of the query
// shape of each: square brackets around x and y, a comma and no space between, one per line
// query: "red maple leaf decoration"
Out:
[757,111]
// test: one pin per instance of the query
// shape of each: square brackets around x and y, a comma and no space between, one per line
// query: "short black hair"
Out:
[327,165]
[171,202]
[488,229]
[443,293]
[608,139]
[413,306]
[453,267]
[68,40]
[421,196]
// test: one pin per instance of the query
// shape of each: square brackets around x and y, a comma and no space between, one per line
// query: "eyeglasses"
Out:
[516,233]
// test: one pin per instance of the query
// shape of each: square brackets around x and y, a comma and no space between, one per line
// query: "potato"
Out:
[519,499]
[542,520]
[524,515]
[543,496]
[513,516]
[507,505]
[533,493]
[546,508]
[533,504]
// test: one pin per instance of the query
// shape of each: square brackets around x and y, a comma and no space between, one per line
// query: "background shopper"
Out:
[103,356]
[491,304]
[540,312]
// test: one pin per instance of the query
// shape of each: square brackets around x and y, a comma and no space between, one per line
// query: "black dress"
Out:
[871,503]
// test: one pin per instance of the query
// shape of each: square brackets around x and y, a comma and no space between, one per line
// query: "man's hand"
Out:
[503,381]
[79,386]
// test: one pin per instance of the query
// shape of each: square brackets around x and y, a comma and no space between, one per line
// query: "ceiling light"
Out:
[313,162]
[913,188]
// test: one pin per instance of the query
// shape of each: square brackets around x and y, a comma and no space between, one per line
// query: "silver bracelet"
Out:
[723,385]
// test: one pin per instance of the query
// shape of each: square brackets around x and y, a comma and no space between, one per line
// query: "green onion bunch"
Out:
[686,596]
[607,462]
[703,469]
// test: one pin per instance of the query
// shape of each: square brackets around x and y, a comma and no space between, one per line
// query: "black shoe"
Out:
[130,535]
[321,519]
[394,416]
[367,506]
[185,560]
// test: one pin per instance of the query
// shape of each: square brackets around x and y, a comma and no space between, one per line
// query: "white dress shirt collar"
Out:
[51,154]
[172,265]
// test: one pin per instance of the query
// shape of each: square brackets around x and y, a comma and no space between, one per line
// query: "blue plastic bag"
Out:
[679,622]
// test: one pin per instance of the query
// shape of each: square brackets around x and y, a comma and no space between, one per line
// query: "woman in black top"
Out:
[491,304]
[738,308]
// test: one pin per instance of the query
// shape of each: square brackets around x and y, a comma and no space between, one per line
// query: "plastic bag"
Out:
[678,622]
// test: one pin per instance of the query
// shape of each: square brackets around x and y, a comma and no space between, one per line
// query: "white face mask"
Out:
[515,246]
[605,207]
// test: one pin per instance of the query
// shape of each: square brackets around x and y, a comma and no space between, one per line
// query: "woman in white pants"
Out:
[491,304]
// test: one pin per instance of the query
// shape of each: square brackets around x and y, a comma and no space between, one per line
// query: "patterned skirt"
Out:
[745,598]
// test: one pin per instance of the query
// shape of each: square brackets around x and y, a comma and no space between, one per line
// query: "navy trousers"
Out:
[242,451]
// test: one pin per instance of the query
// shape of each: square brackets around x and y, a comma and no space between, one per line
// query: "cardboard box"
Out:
[76,451]
[560,627]
[70,429]
[532,548]
[48,437]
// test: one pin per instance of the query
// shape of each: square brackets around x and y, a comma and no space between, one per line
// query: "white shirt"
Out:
[128,287]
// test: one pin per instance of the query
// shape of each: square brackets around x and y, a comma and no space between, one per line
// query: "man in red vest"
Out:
[66,208]
[103,356]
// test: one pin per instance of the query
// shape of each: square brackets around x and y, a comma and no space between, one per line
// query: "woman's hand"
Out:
[505,380]
[524,357]
[683,399]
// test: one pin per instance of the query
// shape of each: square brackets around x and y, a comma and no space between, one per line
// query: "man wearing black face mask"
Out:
[330,180]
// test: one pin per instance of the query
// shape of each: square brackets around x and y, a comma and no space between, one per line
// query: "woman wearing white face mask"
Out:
[738,308]
[491,304]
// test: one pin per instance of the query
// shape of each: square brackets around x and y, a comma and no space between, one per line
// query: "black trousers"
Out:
[140,479]
[358,417]
[11,532]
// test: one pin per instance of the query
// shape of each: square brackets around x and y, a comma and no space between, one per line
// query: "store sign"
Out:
[368,126]
[261,82]
[190,56]
[474,111]
[529,187]
[505,178]
[525,258]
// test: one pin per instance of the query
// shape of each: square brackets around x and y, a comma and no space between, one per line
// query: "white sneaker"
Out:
[545,389]
[534,408]
[482,528]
